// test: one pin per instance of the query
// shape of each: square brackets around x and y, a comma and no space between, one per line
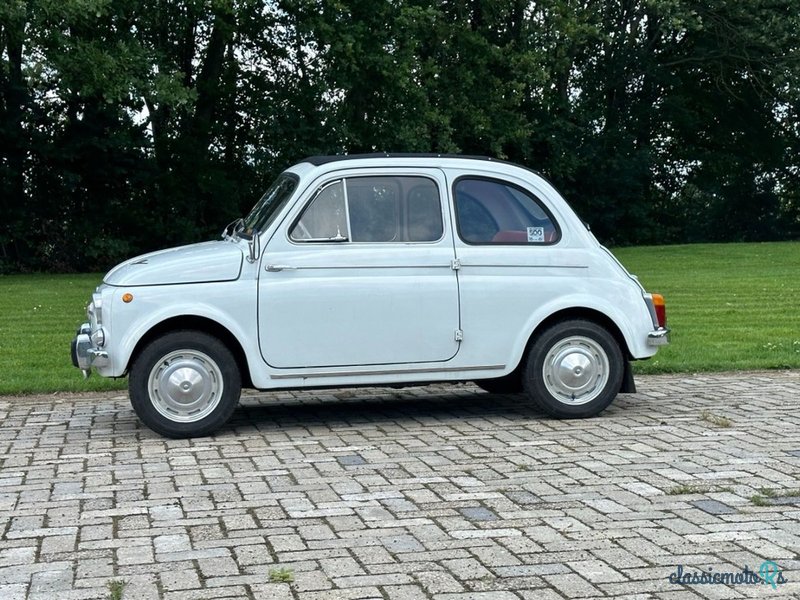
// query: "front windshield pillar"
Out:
[268,207]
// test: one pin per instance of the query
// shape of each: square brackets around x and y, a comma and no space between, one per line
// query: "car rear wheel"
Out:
[185,384]
[574,369]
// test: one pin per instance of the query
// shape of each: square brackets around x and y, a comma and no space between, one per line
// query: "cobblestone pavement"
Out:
[442,492]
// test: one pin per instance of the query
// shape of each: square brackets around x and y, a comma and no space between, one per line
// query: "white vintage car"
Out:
[377,270]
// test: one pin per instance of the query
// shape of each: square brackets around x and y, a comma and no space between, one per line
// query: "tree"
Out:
[138,124]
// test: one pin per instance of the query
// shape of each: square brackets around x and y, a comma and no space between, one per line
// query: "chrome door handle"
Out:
[276,268]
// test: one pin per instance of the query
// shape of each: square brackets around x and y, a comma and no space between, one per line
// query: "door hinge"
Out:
[455,264]
[459,335]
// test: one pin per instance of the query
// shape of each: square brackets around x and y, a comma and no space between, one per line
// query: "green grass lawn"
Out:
[38,318]
[730,306]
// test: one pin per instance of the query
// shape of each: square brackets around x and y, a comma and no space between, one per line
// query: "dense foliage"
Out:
[127,125]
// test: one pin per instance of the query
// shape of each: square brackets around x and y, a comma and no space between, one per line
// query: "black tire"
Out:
[508,384]
[195,384]
[583,373]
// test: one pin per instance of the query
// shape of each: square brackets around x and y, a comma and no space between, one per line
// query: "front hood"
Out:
[197,263]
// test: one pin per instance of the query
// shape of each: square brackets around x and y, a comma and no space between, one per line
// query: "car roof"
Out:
[325,159]
[318,161]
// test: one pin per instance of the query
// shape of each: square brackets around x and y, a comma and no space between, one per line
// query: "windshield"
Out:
[270,204]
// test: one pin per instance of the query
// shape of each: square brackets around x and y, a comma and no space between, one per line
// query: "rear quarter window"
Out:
[492,211]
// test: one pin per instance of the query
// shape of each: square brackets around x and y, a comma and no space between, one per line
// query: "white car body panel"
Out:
[205,262]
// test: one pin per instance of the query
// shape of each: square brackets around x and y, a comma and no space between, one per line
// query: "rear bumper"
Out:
[658,337]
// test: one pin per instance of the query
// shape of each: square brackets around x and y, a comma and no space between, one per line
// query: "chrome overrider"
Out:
[84,354]
[87,346]
[658,337]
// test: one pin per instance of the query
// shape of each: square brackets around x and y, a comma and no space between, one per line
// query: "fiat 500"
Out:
[376,270]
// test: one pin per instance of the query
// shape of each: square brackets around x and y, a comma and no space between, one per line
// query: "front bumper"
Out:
[84,354]
[658,337]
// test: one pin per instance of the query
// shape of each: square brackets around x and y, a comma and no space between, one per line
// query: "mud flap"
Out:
[628,384]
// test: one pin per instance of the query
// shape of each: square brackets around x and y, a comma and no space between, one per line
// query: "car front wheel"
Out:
[185,384]
[574,369]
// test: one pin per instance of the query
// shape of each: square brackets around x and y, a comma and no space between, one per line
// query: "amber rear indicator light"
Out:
[661,309]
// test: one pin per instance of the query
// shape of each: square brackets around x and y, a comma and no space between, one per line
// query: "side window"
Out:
[374,206]
[373,209]
[394,209]
[325,218]
[423,211]
[493,212]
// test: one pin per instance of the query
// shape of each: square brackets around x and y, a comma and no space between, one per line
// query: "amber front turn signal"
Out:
[127,297]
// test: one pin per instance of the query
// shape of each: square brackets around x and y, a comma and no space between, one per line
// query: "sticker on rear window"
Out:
[535,234]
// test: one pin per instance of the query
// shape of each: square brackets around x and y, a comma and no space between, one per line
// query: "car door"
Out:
[360,274]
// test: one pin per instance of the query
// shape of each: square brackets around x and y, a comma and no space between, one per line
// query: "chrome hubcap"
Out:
[575,370]
[185,386]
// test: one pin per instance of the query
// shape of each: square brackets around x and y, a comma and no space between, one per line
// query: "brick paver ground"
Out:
[443,492]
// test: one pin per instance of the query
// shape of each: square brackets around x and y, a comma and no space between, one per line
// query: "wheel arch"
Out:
[198,323]
[587,314]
